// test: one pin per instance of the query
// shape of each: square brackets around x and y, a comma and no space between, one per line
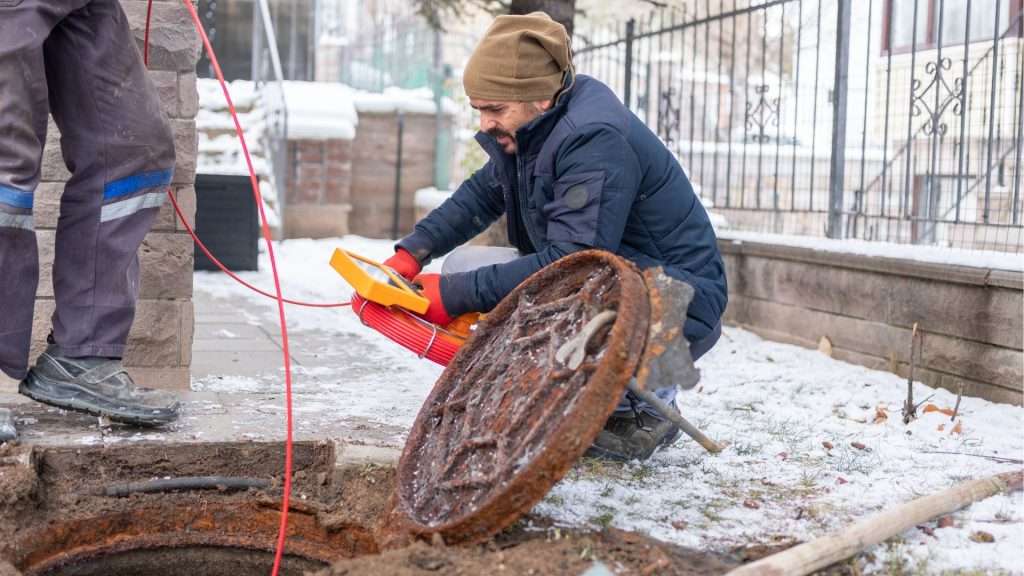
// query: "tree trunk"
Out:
[561,11]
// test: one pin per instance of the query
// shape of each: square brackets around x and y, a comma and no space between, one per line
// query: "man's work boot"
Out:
[632,436]
[98,386]
[7,430]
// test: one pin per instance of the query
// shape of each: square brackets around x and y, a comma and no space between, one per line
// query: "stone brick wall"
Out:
[969,319]
[374,155]
[160,345]
[319,188]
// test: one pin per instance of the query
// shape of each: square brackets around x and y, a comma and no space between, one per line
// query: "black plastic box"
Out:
[226,222]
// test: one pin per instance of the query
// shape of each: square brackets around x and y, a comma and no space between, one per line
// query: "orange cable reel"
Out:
[390,304]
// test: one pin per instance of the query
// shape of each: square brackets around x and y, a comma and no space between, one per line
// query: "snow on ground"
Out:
[776,406]
[813,443]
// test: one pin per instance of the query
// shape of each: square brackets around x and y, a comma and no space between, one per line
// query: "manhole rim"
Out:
[249,525]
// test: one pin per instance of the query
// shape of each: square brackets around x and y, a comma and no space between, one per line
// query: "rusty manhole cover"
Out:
[507,419]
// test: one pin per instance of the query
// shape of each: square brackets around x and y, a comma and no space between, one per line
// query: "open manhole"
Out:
[510,415]
[92,511]
[206,538]
[52,522]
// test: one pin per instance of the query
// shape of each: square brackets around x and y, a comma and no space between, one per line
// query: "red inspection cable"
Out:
[235,277]
[265,227]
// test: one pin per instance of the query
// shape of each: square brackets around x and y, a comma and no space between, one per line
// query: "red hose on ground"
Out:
[283,528]
[235,277]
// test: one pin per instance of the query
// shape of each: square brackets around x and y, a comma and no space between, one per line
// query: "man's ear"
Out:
[543,105]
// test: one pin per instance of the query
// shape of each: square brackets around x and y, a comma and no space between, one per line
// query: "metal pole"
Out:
[398,177]
[991,119]
[257,42]
[628,89]
[441,155]
[835,192]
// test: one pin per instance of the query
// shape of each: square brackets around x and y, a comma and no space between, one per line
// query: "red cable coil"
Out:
[410,331]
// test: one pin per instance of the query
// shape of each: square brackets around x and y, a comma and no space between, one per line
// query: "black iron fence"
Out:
[893,120]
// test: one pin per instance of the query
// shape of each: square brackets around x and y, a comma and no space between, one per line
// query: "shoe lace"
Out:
[637,415]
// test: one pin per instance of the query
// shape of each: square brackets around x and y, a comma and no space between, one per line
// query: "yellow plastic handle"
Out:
[377,283]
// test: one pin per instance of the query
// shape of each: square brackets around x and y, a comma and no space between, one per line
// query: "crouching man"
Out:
[573,169]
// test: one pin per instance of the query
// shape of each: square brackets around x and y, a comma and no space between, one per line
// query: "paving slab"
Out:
[346,388]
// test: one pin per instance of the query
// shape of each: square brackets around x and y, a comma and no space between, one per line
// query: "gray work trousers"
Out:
[467,258]
[77,60]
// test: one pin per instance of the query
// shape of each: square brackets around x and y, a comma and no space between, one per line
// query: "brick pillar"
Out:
[374,155]
[160,345]
[318,193]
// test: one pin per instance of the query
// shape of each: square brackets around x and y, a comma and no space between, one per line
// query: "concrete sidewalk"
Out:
[238,388]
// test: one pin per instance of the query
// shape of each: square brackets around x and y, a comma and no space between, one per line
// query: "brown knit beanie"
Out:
[520,58]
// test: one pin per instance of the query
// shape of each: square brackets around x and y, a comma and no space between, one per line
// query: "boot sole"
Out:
[83,400]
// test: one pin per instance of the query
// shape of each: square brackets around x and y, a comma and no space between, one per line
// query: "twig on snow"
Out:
[959,395]
[909,409]
[1000,459]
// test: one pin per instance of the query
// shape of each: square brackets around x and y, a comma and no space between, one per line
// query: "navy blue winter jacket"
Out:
[588,174]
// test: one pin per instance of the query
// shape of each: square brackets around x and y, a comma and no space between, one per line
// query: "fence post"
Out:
[840,97]
[627,97]
[397,213]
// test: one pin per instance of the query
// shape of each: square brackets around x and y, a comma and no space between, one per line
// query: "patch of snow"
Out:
[777,406]
[320,111]
[933,254]
[394,99]
[430,198]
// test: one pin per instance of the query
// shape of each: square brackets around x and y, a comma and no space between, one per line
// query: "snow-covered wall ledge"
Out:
[865,300]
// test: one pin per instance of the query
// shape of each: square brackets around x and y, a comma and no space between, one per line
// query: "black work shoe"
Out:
[98,386]
[7,430]
[633,436]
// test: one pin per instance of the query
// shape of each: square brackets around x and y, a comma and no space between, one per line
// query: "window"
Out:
[982,23]
[954,22]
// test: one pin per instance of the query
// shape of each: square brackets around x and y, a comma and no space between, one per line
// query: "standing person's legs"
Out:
[24,27]
[120,152]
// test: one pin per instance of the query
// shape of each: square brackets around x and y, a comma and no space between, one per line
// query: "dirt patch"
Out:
[547,552]
[55,522]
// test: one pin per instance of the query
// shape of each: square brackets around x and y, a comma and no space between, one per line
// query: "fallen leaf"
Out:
[941,427]
[754,504]
[946,522]
[841,480]
[982,537]
[782,455]
[959,428]
[880,415]
[933,408]
[679,524]
[859,446]
[828,445]
[927,530]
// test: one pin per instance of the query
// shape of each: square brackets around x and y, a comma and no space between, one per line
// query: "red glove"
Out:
[430,288]
[404,263]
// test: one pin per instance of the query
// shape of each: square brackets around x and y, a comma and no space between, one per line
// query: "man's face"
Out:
[502,119]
